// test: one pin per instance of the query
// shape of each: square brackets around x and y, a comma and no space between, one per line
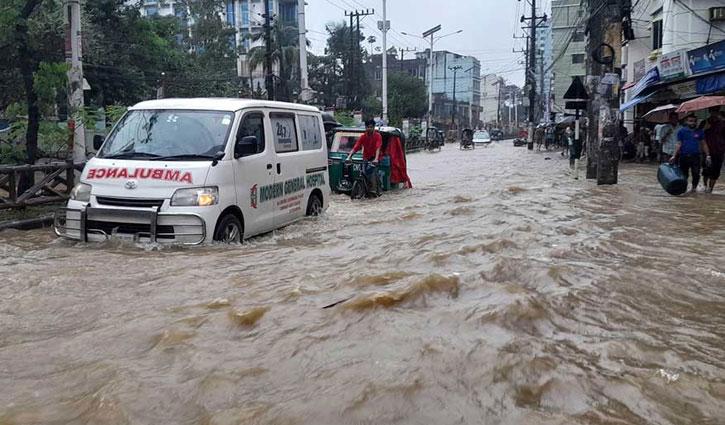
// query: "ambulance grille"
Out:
[129,202]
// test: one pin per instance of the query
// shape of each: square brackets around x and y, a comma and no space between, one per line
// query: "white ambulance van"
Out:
[191,171]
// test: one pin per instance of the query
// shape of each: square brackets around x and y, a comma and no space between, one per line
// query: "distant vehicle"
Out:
[482,137]
[189,171]
[496,134]
[392,167]
[519,142]
[467,139]
[433,139]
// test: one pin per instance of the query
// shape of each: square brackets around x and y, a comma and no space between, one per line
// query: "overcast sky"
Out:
[488,27]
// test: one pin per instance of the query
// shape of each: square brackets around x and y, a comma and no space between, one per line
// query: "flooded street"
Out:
[497,291]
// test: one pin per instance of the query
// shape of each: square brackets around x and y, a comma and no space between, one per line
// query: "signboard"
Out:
[672,65]
[707,58]
[686,89]
[651,77]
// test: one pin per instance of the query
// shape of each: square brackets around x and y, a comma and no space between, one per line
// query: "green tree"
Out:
[407,98]
[338,46]
[326,78]
[371,107]
[30,34]
[125,54]
[285,54]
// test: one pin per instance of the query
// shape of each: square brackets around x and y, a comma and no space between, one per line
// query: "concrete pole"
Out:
[238,32]
[249,34]
[305,94]
[430,84]
[74,56]
[385,63]
[516,111]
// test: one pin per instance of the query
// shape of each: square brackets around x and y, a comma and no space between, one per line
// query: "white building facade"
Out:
[670,35]
[490,99]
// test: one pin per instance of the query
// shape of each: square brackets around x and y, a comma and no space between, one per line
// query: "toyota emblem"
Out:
[131,184]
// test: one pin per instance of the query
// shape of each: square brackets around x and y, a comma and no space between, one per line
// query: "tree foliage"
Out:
[356,86]
[407,98]
[285,54]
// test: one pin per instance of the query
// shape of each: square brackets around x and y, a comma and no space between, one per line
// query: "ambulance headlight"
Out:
[195,197]
[81,192]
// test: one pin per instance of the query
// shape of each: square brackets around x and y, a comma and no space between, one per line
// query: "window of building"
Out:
[656,35]
[271,7]
[245,13]
[577,37]
[288,12]
[230,14]
[577,58]
[378,74]
[150,2]
[152,11]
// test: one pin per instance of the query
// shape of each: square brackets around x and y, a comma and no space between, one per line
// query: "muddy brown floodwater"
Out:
[497,291]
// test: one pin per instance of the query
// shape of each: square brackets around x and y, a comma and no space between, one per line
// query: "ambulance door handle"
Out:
[269,166]
[279,168]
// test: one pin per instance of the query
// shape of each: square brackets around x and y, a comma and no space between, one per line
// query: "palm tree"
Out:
[285,54]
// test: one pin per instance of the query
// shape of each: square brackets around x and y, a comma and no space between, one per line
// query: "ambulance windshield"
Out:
[168,135]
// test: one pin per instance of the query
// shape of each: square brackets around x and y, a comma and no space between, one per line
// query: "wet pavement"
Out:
[497,291]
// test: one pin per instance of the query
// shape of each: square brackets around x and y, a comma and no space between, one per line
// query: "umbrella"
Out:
[660,114]
[703,102]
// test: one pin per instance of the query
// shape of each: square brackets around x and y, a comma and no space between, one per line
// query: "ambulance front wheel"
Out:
[229,230]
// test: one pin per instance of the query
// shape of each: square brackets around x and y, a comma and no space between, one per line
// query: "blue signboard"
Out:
[707,58]
[651,77]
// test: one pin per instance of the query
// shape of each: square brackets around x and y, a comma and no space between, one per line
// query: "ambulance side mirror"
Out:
[98,141]
[245,146]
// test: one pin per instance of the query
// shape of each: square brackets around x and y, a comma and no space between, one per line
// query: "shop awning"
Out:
[637,100]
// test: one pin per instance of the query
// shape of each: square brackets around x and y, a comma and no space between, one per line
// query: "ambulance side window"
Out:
[253,125]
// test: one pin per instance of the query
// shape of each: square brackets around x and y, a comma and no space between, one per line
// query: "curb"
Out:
[28,224]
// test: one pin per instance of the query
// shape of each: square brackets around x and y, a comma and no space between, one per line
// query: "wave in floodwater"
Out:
[496,291]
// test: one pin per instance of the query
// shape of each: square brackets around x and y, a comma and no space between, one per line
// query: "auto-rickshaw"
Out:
[467,139]
[392,166]
[433,139]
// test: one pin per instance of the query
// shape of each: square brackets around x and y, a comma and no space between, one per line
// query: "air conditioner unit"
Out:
[717,14]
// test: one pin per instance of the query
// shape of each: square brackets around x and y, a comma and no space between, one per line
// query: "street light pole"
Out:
[433,40]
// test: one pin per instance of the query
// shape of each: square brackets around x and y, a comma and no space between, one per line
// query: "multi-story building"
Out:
[568,19]
[491,98]
[415,67]
[671,36]
[467,71]
[245,16]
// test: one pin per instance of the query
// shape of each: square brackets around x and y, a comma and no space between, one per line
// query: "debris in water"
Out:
[671,377]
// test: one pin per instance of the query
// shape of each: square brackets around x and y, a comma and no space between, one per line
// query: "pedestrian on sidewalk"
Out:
[688,150]
[714,130]
[575,153]
[668,137]
[643,142]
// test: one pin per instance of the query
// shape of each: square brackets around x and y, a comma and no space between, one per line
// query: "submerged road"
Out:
[497,291]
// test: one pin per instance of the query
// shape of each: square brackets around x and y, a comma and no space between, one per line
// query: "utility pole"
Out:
[386,26]
[305,92]
[530,70]
[354,50]
[604,71]
[269,72]
[74,57]
[402,55]
[498,111]
[455,70]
